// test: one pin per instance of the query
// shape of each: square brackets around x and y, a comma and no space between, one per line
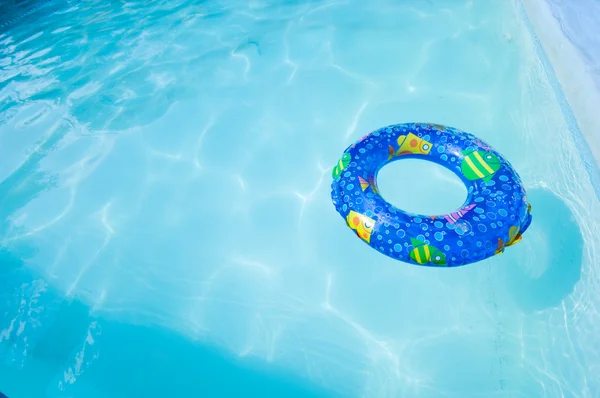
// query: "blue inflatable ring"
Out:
[495,214]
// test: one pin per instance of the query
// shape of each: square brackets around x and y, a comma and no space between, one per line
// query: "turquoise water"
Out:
[166,222]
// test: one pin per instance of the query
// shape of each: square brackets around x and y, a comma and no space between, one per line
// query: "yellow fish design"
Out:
[361,224]
[514,235]
[411,144]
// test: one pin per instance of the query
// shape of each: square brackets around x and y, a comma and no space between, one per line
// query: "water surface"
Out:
[165,197]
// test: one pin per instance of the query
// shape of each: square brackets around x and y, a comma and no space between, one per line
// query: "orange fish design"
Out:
[391,152]
[513,237]
[411,144]
[361,224]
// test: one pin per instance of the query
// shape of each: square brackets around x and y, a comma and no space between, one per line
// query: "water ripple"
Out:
[169,163]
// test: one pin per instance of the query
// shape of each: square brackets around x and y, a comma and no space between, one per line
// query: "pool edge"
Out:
[568,77]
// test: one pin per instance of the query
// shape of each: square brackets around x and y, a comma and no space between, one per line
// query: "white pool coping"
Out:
[581,94]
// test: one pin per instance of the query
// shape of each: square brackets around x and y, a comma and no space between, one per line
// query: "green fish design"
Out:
[479,165]
[422,253]
[341,165]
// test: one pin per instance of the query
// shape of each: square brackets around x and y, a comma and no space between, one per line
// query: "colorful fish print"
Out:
[411,144]
[391,152]
[455,216]
[429,126]
[438,127]
[514,235]
[479,165]
[422,253]
[361,224]
[364,184]
[341,165]
[526,212]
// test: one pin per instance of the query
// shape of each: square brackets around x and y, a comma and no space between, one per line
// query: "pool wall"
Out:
[579,22]
[570,50]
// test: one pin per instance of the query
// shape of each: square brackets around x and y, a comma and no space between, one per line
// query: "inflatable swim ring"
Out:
[494,216]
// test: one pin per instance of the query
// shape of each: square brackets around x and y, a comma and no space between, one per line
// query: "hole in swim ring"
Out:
[421,187]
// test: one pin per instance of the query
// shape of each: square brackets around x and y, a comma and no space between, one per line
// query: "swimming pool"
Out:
[167,227]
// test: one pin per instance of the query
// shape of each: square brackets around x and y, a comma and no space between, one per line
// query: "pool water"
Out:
[166,222]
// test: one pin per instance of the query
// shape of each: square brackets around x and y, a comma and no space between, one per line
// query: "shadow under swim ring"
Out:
[495,214]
